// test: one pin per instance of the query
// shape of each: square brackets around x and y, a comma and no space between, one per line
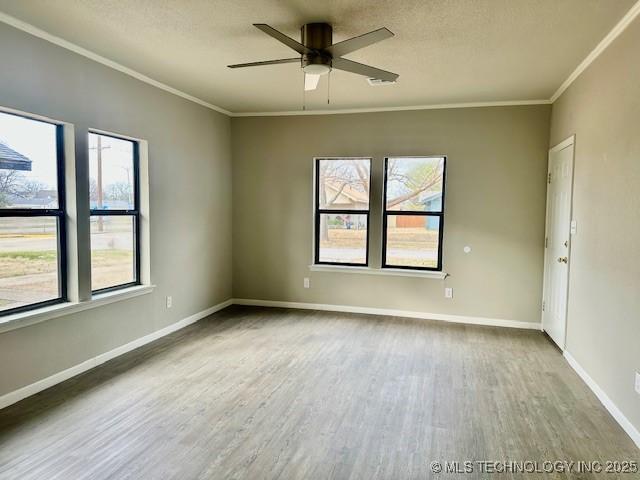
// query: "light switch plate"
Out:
[638,382]
[448,292]
[574,227]
[307,284]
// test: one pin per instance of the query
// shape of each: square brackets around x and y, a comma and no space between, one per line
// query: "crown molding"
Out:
[509,103]
[601,47]
[37,32]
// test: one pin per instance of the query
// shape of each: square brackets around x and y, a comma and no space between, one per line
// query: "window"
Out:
[115,215]
[32,214]
[342,211]
[413,214]
[40,230]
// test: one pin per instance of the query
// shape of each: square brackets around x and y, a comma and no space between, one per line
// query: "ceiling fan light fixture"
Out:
[316,69]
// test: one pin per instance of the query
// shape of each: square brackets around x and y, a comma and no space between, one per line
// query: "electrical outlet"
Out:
[307,284]
[637,382]
[169,302]
[448,292]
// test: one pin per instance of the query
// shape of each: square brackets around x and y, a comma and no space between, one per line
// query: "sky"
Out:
[117,159]
[36,141]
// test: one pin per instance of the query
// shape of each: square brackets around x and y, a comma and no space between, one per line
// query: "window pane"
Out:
[28,163]
[110,173]
[415,184]
[112,251]
[412,241]
[28,261]
[343,238]
[344,184]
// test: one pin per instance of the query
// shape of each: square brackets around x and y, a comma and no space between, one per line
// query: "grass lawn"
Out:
[14,264]
[398,260]
[412,240]
[399,238]
[31,276]
[111,267]
[343,238]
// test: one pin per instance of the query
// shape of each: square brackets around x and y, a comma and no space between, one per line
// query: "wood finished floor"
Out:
[253,393]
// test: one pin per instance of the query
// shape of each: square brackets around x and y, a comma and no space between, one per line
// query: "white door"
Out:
[558,241]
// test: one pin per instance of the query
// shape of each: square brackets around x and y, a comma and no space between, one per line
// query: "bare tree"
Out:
[414,182]
[8,182]
[336,176]
[13,183]
[31,188]
[121,191]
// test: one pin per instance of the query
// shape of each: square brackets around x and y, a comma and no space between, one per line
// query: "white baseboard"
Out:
[604,399]
[494,322]
[24,392]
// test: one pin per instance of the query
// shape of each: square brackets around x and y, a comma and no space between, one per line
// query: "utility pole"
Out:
[99,181]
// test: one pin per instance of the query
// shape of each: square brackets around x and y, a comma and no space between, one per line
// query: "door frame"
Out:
[567,142]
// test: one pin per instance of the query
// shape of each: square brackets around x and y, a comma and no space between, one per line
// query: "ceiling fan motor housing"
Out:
[317,36]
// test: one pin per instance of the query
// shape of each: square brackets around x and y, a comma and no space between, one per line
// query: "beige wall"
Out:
[602,108]
[497,161]
[190,175]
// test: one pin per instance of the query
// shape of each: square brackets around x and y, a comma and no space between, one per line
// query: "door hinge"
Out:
[546,242]
[549,178]
[543,305]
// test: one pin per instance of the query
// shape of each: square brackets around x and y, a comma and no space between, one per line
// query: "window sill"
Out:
[393,272]
[23,319]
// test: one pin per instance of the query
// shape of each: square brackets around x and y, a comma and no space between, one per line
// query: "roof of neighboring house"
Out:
[348,191]
[12,160]
[429,196]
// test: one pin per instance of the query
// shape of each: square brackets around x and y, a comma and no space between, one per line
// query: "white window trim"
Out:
[394,272]
[77,216]
[314,201]
[370,269]
[145,231]
[31,317]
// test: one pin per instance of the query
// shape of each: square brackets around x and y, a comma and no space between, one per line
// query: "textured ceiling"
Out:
[446,51]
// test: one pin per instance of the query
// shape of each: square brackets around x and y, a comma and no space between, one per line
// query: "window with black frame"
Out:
[115,212]
[413,217]
[342,211]
[32,214]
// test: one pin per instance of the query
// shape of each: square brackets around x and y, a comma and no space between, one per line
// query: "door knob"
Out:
[563,260]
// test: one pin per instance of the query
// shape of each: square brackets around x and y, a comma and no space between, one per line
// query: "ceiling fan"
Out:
[318,55]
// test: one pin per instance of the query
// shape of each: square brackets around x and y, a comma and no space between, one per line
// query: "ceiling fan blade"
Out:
[281,37]
[266,62]
[365,70]
[311,82]
[356,43]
